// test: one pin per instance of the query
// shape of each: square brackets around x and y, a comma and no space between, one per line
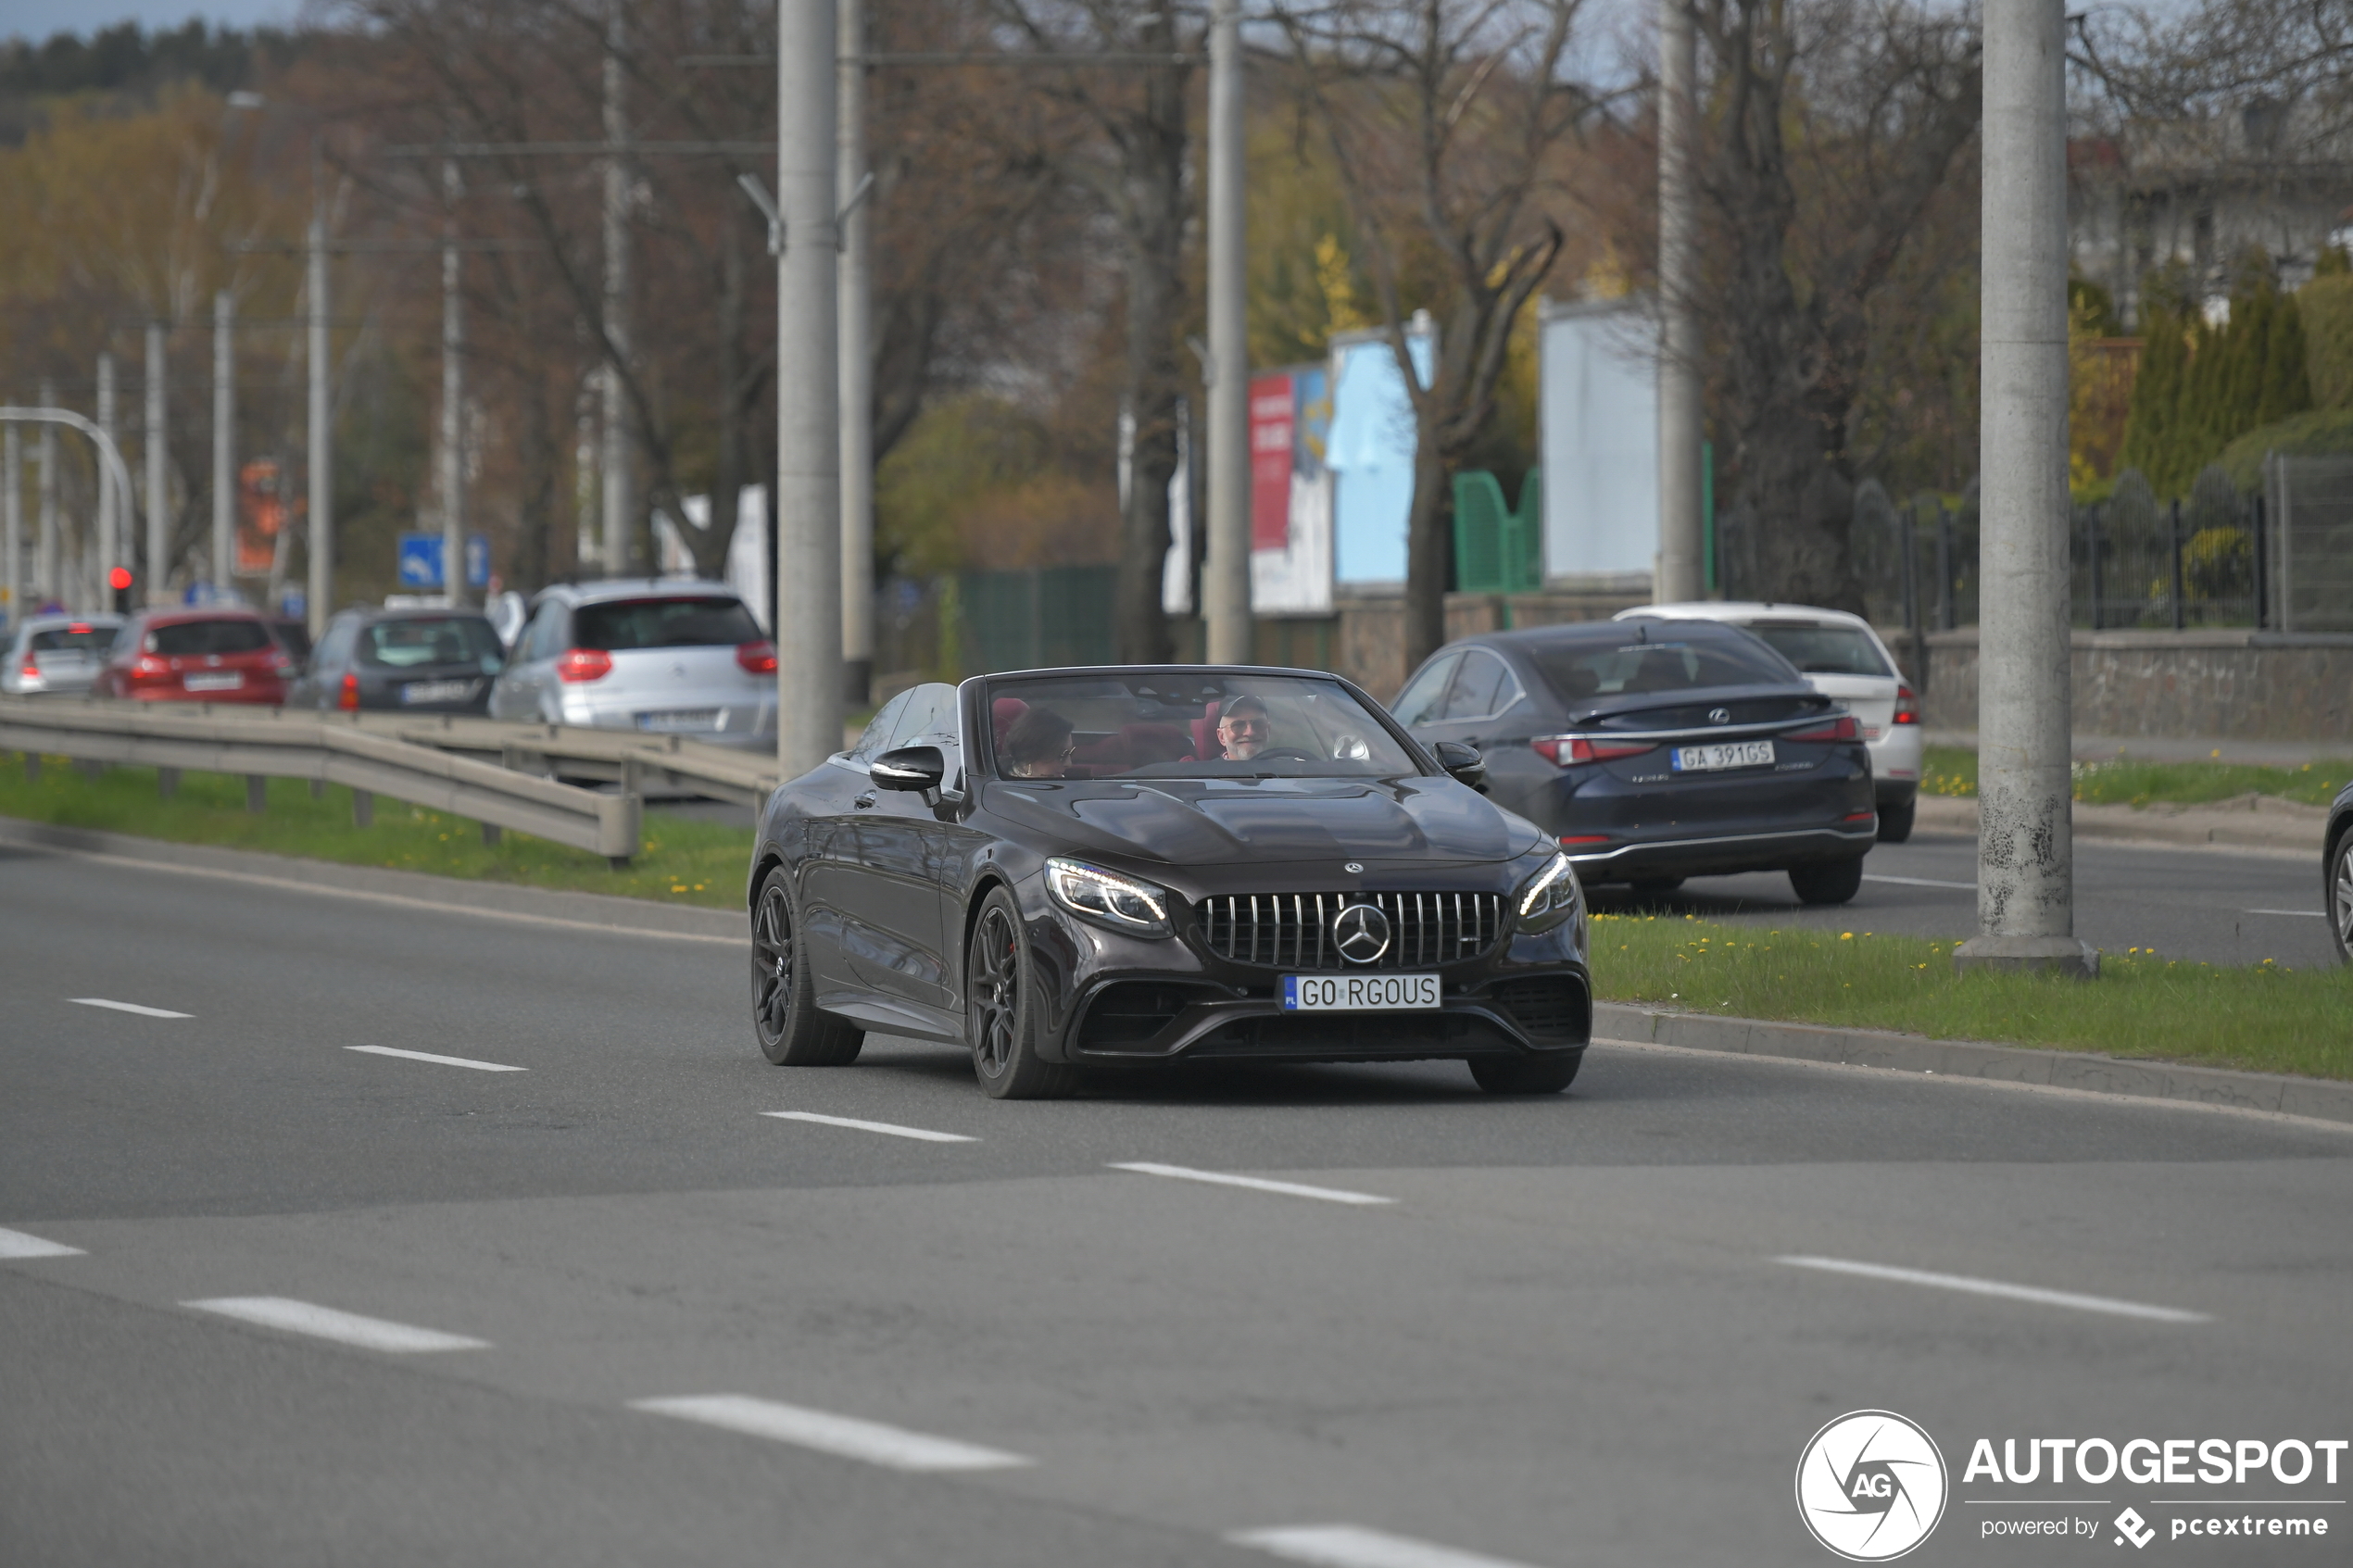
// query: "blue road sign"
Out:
[477,560]
[420,560]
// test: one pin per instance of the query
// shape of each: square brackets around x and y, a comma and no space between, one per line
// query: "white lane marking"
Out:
[1352,1545]
[1256,1184]
[16,1244]
[326,1322]
[925,1134]
[127,1006]
[2304,914]
[842,1436]
[441,1061]
[1919,882]
[1995,1287]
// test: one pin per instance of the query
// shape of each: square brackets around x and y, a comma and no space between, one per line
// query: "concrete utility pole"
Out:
[44,561]
[1680,577]
[322,472]
[12,520]
[453,402]
[2025,846]
[159,473]
[807,564]
[94,571]
[1226,588]
[857,371]
[224,438]
[617,466]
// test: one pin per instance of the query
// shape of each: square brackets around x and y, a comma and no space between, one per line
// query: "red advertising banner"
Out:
[261,514]
[1271,414]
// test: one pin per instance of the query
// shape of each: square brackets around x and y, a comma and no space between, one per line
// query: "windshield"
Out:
[1580,671]
[63,639]
[184,639]
[455,639]
[1181,724]
[1823,651]
[663,623]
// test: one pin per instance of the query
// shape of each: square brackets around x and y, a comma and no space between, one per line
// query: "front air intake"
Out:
[1294,929]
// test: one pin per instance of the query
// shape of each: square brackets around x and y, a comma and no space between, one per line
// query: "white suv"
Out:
[1840,657]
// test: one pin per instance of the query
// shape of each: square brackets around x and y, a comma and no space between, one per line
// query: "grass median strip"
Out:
[2126,780]
[2263,1016]
[683,861]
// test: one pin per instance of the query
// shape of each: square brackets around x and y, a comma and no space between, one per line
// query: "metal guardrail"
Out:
[271,743]
[638,763]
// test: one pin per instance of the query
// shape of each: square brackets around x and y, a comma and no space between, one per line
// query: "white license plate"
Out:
[436,691]
[222,680]
[680,719]
[1729,754]
[1359,992]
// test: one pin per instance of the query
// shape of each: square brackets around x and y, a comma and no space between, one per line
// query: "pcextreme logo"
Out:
[1871,1485]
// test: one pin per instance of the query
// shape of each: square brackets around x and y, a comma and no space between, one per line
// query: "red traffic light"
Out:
[118,579]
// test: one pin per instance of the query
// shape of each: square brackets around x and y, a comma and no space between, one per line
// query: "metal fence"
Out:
[961,623]
[2309,567]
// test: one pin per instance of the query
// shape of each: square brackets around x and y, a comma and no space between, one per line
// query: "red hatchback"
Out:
[198,656]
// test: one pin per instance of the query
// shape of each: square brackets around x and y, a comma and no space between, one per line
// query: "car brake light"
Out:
[32,671]
[80,628]
[584,664]
[1841,728]
[760,657]
[349,700]
[150,667]
[1588,839]
[1907,710]
[1562,750]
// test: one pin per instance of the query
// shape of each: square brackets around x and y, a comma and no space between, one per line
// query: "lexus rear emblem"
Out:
[1720,715]
[1360,930]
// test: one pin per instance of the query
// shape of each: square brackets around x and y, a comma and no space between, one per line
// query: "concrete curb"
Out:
[2323,1099]
[2287,833]
[583,909]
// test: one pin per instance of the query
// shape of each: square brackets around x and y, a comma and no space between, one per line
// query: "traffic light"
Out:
[119,581]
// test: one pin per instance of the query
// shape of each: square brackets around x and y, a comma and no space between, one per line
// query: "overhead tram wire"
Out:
[1132,58]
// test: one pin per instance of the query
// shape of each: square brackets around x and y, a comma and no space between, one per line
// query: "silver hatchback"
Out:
[655,658]
[58,653]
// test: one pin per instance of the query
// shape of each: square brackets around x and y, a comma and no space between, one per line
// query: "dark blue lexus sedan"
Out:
[1656,750]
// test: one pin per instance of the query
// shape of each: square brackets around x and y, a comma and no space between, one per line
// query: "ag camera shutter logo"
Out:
[1871,1485]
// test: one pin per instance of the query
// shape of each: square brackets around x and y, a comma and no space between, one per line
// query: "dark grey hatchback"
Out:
[1656,750]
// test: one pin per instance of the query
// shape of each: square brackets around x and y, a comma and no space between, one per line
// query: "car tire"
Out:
[1828,881]
[1656,886]
[2338,869]
[1896,821]
[784,1018]
[1001,1008]
[1546,1074]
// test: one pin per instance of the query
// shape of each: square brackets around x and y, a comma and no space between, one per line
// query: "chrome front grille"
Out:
[1294,929]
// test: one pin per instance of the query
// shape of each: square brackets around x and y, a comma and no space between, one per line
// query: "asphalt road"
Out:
[1571,1334]
[2213,906]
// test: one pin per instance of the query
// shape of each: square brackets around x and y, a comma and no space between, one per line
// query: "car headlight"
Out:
[1120,903]
[1550,896]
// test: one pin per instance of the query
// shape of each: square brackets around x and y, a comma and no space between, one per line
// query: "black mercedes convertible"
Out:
[1117,867]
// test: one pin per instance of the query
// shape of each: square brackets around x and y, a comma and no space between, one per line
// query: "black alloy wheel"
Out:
[2341,894]
[1896,821]
[784,1005]
[1000,1009]
[1830,882]
[1546,1074]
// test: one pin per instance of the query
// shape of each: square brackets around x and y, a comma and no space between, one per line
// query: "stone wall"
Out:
[2222,685]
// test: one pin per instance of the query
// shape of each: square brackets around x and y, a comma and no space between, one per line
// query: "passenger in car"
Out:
[1039,745]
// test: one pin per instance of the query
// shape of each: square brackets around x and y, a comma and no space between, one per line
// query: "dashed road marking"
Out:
[438,1061]
[17,1244]
[1919,882]
[1354,1546]
[2300,914]
[1975,1287]
[326,1322]
[127,1006]
[892,1128]
[1256,1184]
[842,1436]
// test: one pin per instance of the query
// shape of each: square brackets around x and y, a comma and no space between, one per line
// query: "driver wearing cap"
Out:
[1242,729]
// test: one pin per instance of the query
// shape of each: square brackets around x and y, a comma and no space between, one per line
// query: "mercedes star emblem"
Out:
[1360,930]
[1720,715]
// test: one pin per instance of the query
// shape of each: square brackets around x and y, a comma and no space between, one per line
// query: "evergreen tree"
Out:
[2286,390]
[2150,427]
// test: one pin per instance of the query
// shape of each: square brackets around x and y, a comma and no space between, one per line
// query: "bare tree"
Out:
[1442,118]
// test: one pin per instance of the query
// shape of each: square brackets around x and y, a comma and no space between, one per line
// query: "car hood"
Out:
[1218,821]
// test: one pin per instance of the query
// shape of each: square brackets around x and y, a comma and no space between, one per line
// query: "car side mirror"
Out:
[1463,762]
[911,768]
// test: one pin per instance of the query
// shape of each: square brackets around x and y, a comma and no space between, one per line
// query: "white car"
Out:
[1840,657]
[56,653]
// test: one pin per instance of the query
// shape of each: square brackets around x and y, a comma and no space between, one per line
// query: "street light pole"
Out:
[45,560]
[857,371]
[453,399]
[617,475]
[807,564]
[159,471]
[94,571]
[1226,595]
[2025,846]
[322,496]
[12,520]
[224,437]
[1681,579]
